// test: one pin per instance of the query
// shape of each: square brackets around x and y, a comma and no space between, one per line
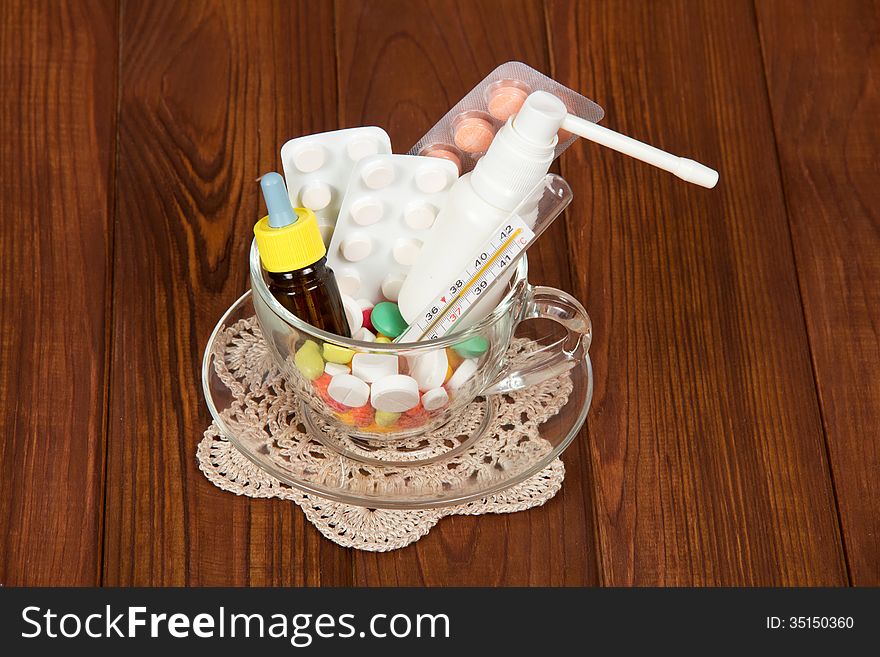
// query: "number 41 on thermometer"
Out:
[494,257]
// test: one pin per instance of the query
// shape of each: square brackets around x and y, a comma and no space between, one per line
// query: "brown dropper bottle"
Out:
[294,261]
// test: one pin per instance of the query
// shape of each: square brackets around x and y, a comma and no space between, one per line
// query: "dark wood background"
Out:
[733,437]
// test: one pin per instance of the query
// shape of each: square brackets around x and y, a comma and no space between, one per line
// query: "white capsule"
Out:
[316,195]
[431,179]
[360,148]
[349,390]
[372,367]
[309,157]
[378,175]
[348,281]
[391,287]
[364,335]
[419,215]
[405,251]
[353,313]
[395,394]
[366,211]
[435,398]
[356,247]
[429,368]
[336,368]
[463,374]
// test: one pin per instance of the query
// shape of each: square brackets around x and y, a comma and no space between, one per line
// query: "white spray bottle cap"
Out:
[539,118]
[521,153]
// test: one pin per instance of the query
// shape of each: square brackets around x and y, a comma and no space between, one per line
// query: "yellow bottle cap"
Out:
[291,247]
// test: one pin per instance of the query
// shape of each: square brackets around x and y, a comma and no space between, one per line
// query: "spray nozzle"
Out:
[277,201]
[543,114]
[540,118]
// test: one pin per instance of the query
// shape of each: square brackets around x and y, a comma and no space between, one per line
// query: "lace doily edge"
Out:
[546,484]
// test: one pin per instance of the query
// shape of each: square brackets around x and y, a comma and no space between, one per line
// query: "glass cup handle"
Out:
[553,359]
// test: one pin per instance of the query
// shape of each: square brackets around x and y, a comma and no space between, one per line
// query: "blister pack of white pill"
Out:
[317,169]
[388,209]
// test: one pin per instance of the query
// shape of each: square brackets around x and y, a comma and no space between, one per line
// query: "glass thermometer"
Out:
[493,260]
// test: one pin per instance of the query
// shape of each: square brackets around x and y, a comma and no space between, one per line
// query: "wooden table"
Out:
[733,437]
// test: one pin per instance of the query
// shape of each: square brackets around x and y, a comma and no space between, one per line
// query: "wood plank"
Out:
[402,65]
[821,61]
[58,72]
[210,91]
[707,443]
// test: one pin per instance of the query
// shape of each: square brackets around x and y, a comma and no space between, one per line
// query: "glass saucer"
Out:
[497,442]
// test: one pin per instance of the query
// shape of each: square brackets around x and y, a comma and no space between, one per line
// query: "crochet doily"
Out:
[267,408]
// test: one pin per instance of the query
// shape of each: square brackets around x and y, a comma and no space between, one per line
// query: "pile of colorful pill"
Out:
[381,392]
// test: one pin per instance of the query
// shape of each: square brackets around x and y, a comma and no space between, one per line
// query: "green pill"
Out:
[473,347]
[386,319]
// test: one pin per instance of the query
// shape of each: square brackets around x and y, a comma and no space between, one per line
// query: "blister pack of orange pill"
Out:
[464,134]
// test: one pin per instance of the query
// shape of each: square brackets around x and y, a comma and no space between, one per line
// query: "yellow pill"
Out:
[383,339]
[386,418]
[308,360]
[448,373]
[336,354]
[347,417]
[454,359]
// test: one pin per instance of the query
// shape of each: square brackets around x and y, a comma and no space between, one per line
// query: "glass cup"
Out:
[435,379]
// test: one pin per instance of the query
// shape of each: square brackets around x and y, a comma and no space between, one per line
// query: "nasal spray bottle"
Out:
[518,158]
[293,257]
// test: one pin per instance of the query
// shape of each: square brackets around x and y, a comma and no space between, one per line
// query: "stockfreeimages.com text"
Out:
[299,629]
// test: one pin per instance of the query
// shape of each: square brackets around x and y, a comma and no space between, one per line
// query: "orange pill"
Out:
[363,416]
[474,134]
[506,101]
[322,382]
[415,417]
[448,373]
[446,155]
[454,359]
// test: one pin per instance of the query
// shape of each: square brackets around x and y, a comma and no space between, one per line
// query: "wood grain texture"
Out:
[707,441]
[402,65]
[210,90]
[732,438]
[58,73]
[822,61]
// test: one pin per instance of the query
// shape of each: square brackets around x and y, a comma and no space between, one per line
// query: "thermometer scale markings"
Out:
[515,236]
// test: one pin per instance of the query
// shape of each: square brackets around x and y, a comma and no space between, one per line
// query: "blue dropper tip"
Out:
[277,201]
